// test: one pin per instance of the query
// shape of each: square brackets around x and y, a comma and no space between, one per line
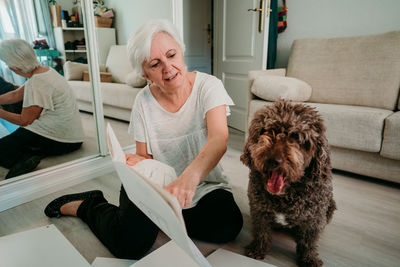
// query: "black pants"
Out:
[23,143]
[128,233]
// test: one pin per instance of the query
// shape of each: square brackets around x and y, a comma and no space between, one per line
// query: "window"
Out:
[7,30]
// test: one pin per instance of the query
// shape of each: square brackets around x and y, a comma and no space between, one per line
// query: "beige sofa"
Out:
[354,84]
[119,95]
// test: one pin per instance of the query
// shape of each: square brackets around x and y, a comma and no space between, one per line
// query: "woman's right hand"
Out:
[132,159]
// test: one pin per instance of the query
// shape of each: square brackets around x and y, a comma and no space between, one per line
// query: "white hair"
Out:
[18,54]
[139,43]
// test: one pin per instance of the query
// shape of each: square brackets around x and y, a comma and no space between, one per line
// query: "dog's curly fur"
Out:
[290,182]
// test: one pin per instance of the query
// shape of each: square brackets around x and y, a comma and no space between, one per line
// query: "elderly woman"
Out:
[50,119]
[179,118]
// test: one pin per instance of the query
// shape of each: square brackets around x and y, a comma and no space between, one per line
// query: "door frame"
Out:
[177,19]
[177,15]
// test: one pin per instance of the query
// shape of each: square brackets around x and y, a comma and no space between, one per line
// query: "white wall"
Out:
[336,18]
[66,5]
[131,14]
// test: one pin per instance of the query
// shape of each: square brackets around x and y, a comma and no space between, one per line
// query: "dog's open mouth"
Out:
[275,183]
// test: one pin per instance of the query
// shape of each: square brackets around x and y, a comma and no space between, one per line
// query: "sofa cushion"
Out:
[391,137]
[350,127]
[273,88]
[353,127]
[74,70]
[134,80]
[114,94]
[364,163]
[361,70]
[118,64]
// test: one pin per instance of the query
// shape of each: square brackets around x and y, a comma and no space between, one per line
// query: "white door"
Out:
[197,34]
[239,48]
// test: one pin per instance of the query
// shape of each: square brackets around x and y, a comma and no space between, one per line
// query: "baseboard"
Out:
[51,180]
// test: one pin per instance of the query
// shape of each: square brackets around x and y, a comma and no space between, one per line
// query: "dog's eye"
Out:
[262,131]
[294,136]
[307,145]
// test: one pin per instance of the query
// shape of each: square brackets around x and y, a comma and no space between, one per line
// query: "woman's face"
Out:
[165,67]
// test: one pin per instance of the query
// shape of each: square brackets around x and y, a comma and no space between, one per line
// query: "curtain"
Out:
[272,35]
[8,29]
[25,19]
[43,17]
[8,18]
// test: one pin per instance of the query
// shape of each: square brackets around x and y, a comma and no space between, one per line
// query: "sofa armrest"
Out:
[73,71]
[253,74]
[391,137]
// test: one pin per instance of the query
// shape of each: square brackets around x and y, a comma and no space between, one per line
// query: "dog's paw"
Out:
[255,250]
[310,262]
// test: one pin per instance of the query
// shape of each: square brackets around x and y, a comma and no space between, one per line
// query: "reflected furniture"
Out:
[119,95]
[106,37]
[48,54]
[355,87]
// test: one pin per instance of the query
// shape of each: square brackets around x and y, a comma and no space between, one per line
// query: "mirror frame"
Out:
[94,73]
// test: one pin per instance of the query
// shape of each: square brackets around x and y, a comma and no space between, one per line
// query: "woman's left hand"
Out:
[183,188]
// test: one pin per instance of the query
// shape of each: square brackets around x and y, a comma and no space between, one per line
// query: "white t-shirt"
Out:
[59,119]
[177,138]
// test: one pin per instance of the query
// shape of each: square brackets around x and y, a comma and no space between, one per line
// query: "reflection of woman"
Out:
[50,119]
[179,119]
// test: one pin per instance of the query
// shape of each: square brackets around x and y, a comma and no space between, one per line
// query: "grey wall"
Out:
[130,14]
[336,18]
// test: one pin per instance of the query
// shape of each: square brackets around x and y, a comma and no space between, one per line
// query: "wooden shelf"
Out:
[73,29]
[75,51]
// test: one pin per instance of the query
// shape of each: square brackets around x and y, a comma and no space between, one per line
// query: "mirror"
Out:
[65,41]
[118,84]
[116,93]
[58,163]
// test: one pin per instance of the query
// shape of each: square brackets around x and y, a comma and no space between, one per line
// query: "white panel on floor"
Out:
[111,262]
[168,255]
[225,258]
[171,255]
[40,247]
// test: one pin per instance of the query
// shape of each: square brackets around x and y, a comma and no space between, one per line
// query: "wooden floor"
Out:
[365,230]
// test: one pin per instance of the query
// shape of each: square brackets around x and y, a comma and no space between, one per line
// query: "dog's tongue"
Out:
[275,183]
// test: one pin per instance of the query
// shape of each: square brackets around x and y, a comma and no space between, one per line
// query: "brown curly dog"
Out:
[290,184]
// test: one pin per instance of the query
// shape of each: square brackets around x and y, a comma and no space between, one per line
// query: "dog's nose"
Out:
[272,163]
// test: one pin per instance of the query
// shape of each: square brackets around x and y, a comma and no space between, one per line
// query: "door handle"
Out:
[261,9]
[254,9]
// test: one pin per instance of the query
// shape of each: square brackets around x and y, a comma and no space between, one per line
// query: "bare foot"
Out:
[70,208]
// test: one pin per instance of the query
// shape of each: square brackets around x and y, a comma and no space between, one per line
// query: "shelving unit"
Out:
[105,38]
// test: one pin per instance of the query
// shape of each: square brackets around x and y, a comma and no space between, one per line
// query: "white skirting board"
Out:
[29,187]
